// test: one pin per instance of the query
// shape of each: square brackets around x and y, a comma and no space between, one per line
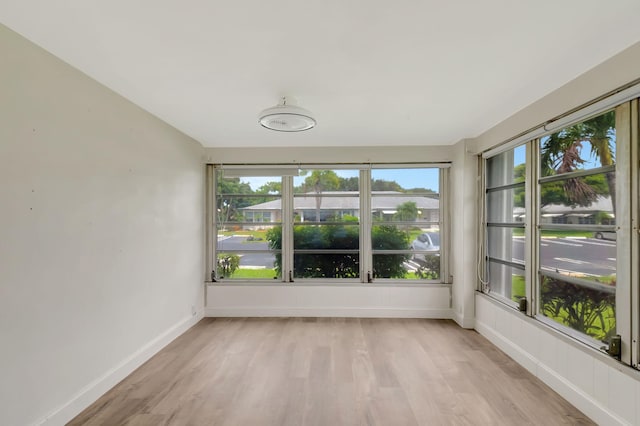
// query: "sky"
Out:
[407,178]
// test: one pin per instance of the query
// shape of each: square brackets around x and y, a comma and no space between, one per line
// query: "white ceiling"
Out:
[374,72]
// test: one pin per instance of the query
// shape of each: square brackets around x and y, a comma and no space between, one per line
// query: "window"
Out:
[506,212]
[360,223]
[247,210]
[326,227]
[558,228]
[577,273]
[405,223]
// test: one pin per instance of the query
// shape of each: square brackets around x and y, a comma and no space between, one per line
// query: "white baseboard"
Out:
[329,312]
[464,322]
[582,401]
[101,385]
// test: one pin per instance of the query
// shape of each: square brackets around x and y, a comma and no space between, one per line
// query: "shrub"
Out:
[227,264]
[341,237]
[584,309]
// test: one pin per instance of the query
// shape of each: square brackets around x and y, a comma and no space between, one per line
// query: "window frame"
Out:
[625,101]
[287,194]
[525,226]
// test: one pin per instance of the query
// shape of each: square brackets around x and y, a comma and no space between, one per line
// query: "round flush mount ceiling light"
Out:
[286,117]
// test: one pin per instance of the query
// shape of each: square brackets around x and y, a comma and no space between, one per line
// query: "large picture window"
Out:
[355,223]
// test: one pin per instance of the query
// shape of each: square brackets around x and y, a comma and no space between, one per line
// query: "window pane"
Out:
[583,146]
[336,251]
[506,168]
[581,200]
[405,212]
[578,253]
[506,281]
[587,309]
[405,195]
[251,199]
[326,196]
[506,205]
[506,244]
[406,181]
[326,265]
[257,265]
[247,210]
[403,265]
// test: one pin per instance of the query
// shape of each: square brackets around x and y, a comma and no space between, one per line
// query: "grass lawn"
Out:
[254,273]
[517,287]
[248,233]
[519,232]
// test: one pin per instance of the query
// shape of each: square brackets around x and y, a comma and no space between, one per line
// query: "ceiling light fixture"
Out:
[286,117]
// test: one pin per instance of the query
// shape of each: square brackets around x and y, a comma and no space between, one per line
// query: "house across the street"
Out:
[335,205]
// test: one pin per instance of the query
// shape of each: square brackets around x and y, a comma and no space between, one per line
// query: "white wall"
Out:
[464,222]
[329,298]
[101,236]
[605,390]
[610,75]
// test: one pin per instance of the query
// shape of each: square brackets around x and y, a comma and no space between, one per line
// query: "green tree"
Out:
[561,151]
[318,182]
[349,184]
[406,212]
[268,188]
[229,198]
[555,192]
[385,185]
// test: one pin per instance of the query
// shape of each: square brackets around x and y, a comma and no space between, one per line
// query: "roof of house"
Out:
[602,204]
[348,200]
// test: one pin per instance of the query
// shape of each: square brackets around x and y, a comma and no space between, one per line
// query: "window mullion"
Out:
[287,229]
[210,224]
[443,225]
[366,261]
[635,239]
[531,255]
[623,226]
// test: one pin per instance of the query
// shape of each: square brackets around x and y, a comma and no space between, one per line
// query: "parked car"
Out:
[428,241]
[605,235]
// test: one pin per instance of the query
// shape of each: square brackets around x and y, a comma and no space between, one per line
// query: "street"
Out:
[587,256]
[260,258]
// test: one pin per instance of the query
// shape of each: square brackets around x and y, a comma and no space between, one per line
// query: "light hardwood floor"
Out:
[330,371]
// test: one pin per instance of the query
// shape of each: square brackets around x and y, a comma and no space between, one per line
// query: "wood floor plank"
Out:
[330,371]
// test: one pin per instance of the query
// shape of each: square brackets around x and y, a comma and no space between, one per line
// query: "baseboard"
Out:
[464,322]
[329,312]
[101,385]
[582,401]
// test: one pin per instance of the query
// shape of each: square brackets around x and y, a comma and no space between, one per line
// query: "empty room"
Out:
[328,213]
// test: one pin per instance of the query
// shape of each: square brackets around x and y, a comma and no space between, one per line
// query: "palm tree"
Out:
[561,154]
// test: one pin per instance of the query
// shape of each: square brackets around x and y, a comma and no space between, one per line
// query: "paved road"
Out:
[574,255]
[569,255]
[256,260]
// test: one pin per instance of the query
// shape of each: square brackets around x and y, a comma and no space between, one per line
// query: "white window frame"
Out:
[287,196]
[625,101]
